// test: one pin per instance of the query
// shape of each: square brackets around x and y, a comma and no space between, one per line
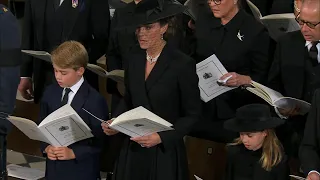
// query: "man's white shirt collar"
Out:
[77,86]
[309,45]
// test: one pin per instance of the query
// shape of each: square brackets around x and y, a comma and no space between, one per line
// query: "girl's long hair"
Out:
[272,150]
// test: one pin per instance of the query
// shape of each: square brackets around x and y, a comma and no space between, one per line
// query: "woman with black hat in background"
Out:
[164,81]
[257,154]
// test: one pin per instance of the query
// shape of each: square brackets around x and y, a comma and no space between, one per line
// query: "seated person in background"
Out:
[80,160]
[241,43]
[295,72]
[310,146]
[257,154]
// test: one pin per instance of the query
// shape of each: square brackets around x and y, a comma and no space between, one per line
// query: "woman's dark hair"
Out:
[172,26]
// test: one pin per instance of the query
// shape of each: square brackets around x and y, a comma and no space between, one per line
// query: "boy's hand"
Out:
[50,153]
[64,153]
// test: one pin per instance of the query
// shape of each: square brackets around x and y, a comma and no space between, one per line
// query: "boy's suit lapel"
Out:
[56,98]
[81,96]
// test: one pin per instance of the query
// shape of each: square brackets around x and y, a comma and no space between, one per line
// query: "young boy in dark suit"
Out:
[80,160]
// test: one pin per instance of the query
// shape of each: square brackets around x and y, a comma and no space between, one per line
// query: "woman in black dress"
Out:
[163,80]
[241,43]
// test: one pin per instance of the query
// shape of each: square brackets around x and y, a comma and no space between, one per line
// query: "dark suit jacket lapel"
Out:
[56,98]
[81,96]
[39,13]
[72,17]
[297,59]
[159,68]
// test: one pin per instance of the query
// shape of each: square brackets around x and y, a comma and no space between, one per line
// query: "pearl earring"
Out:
[161,36]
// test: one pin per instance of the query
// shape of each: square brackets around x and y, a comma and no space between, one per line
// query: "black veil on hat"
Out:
[252,118]
[150,11]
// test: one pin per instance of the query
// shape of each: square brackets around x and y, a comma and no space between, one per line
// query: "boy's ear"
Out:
[80,71]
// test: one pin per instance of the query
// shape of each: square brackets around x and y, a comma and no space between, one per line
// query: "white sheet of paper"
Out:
[140,122]
[197,178]
[29,128]
[290,103]
[24,172]
[209,72]
[66,131]
[297,177]
[140,113]
[279,24]
[140,127]
[39,54]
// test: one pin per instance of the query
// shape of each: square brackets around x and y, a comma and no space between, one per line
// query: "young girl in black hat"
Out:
[257,154]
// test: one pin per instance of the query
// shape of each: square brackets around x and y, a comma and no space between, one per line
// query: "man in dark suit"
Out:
[80,160]
[295,71]
[10,61]
[120,43]
[310,146]
[48,23]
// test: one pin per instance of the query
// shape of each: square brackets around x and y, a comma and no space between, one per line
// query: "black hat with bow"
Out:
[252,118]
[151,11]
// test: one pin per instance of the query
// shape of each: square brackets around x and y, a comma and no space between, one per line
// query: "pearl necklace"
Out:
[152,60]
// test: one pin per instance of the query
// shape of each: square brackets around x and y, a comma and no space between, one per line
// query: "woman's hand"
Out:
[313,176]
[107,130]
[148,141]
[236,79]
[289,112]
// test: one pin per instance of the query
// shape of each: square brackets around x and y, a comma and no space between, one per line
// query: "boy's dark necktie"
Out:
[65,96]
[313,53]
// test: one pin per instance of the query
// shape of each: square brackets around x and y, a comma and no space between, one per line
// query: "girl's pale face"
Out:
[253,140]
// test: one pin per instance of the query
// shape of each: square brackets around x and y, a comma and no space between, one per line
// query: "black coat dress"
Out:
[243,164]
[170,91]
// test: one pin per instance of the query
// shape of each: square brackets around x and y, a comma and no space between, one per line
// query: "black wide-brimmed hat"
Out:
[252,118]
[151,11]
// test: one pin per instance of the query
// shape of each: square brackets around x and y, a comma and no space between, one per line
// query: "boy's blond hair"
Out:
[70,54]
